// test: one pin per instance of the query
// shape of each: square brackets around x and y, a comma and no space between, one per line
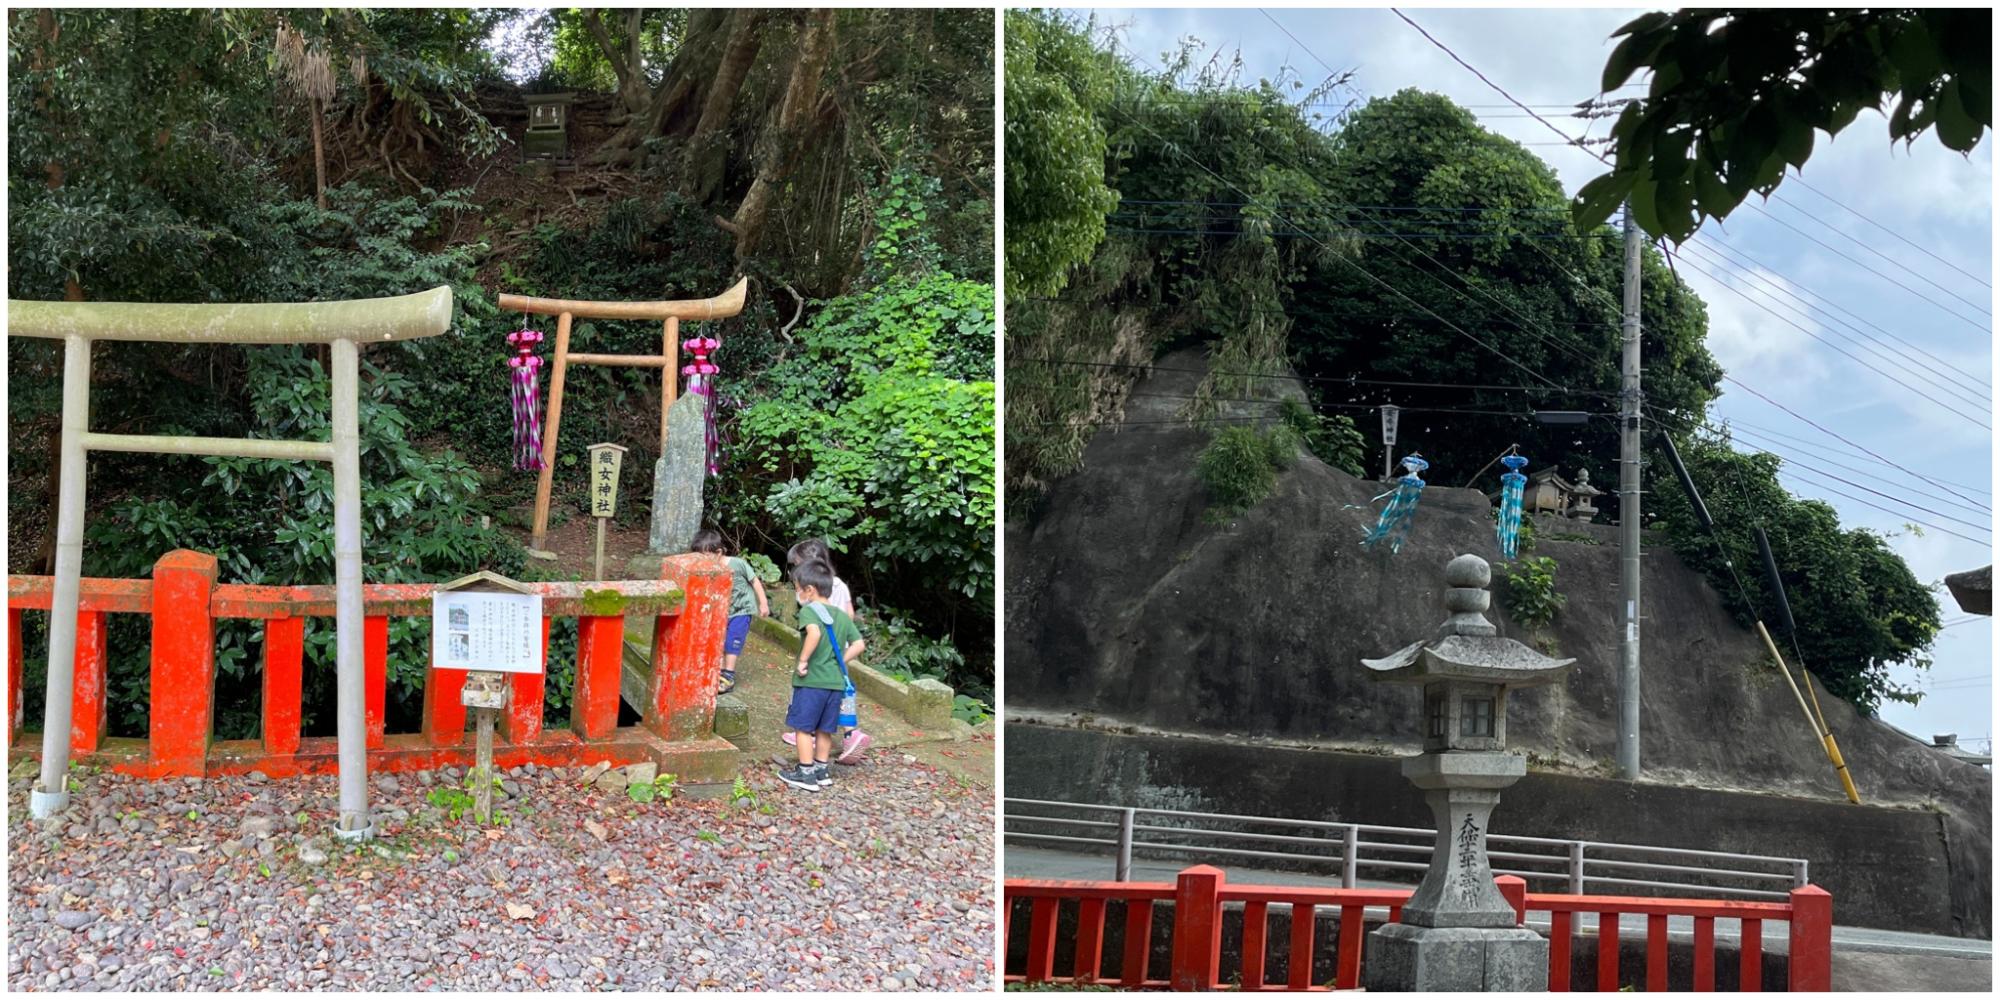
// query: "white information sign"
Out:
[471,630]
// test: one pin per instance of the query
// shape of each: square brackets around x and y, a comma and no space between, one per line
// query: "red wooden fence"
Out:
[1201,892]
[690,611]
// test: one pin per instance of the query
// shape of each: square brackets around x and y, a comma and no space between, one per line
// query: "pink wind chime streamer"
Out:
[701,382]
[526,392]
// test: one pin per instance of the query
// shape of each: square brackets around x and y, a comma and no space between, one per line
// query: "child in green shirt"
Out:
[746,598]
[820,681]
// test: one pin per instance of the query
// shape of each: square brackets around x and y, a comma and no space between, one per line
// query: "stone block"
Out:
[930,703]
[1405,959]
[732,717]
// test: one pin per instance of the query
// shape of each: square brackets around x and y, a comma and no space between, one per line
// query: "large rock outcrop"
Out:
[1125,605]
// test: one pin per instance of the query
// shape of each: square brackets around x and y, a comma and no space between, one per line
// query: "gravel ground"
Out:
[883,882]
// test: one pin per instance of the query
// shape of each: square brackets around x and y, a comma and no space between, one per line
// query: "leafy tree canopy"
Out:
[1857,606]
[1737,95]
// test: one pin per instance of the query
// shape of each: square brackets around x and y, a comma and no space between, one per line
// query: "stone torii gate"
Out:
[670,312]
[344,326]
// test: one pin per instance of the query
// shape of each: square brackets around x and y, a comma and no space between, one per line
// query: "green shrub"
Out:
[1240,466]
[1332,439]
[1531,594]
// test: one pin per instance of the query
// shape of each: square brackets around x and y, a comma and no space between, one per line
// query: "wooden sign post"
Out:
[670,313]
[605,460]
[491,626]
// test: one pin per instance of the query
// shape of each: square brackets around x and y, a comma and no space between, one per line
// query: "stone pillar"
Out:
[678,477]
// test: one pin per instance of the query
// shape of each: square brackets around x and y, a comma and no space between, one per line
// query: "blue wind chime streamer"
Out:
[1511,484]
[1394,524]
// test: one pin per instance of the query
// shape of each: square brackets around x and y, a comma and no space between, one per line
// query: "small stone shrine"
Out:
[1457,931]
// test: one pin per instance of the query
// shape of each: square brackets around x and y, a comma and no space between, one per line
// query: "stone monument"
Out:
[678,477]
[1457,931]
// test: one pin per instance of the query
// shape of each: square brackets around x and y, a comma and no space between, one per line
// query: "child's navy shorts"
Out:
[739,632]
[814,710]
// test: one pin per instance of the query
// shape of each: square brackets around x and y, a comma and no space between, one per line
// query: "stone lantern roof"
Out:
[1467,646]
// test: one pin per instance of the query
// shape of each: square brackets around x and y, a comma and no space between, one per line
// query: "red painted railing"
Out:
[184,602]
[1199,894]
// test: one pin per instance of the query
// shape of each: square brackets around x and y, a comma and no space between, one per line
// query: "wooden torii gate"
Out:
[671,312]
[342,325]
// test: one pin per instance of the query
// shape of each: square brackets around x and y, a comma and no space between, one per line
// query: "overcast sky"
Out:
[1933,197]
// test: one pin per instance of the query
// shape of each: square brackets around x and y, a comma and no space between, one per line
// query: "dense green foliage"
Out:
[875,431]
[168,155]
[1056,198]
[1737,94]
[1402,243]
[1858,607]
[1240,465]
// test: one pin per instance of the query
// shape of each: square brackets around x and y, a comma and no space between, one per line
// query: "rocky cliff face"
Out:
[1124,604]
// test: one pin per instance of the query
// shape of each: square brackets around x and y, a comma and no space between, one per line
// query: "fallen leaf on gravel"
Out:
[596,829]
[517,911]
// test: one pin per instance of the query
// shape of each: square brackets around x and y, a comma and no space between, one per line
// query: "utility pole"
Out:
[1630,398]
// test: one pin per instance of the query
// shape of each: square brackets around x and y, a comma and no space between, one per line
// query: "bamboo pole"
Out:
[546,478]
[400,317]
[51,795]
[1818,723]
[669,378]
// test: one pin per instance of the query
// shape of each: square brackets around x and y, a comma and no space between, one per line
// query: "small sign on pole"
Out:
[605,461]
[491,626]
[1390,413]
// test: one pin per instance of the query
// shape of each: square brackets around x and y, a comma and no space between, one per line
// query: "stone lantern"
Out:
[1457,931]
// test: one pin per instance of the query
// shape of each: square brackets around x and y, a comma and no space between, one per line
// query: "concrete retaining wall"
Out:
[1891,868]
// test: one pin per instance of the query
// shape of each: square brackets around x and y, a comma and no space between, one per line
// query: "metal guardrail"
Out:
[1576,865]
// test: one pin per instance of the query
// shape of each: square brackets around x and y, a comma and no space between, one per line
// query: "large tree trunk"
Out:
[319,154]
[667,109]
[627,64]
[778,147]
[705,155]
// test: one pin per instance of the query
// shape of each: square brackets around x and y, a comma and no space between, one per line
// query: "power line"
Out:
[1801,181]
[1348,234]
[1772,448]
[1328,379]
[1737,256]
[1264,311]
[1920,393]
[1843,256]
[1896,513]
[1865,245]
[1599,156]
[1933,376]
[1815,446]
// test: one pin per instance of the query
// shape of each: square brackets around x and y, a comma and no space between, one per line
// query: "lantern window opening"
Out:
[1475,716]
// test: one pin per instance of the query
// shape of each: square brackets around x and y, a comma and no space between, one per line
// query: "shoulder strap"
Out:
[826,622]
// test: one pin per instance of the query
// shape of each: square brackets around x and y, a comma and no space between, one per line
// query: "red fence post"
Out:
[1041,938]
[14,656]
[687,648]
[444,713]
[1197,943]
[1514,889]
[600,653]
[375,657]
[523,721]
[183,667]
[284,671]
[90,703]
[1812,940]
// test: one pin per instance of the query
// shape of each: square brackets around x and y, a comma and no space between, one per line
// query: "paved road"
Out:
[1036,862]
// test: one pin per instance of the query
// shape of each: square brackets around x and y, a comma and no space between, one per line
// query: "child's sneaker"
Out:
[853,745]
[791,738]
[824,774]
[804,777]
